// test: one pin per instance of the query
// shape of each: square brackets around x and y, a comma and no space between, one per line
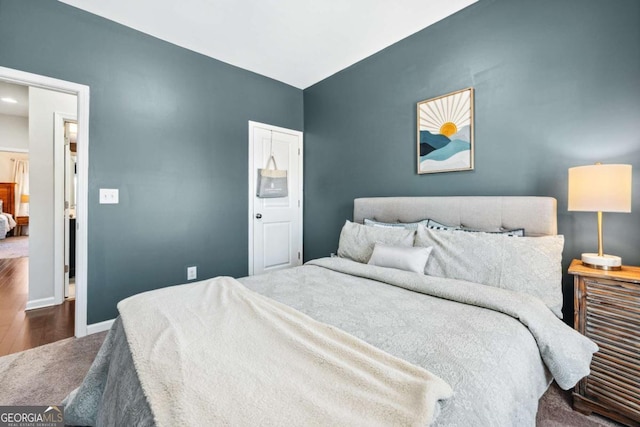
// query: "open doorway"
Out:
[14,171]
[53,205]
[30,222]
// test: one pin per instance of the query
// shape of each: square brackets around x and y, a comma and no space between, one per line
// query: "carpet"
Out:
[14,247]
[45,375]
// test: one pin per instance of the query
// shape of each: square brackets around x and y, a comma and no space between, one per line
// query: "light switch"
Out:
[109,196]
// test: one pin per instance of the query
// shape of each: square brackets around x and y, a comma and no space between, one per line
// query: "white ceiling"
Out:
[19,93]
[298,42]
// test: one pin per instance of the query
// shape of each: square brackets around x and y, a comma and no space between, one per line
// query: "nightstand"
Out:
[607,310]
[20,222]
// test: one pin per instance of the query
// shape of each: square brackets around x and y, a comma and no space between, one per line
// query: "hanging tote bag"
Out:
[272,183]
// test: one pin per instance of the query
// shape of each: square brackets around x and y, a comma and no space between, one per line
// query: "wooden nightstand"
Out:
[607,310]
[20,222]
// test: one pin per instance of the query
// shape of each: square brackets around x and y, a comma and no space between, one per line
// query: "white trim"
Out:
[252,177]
[94,328]
[14,150]
[58,204]
[40,303]
[82,92]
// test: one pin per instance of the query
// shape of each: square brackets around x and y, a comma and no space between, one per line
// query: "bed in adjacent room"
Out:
[467,323]
[7,208]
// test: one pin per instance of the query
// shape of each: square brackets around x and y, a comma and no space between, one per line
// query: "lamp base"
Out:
[604,262]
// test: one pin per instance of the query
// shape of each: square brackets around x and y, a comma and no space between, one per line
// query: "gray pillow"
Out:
[400,257]
[527,264]
[357,241]
[405,225]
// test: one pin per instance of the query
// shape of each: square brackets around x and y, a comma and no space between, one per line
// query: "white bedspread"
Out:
[264,363]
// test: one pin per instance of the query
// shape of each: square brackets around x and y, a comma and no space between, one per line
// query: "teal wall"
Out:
[557,84]
[168,127]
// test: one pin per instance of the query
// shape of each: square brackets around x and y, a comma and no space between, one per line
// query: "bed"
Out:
[7,208]
[498,349]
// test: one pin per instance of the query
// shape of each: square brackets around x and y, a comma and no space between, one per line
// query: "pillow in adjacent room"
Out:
[405,225]
[525,264]
[357,240]
[400,257]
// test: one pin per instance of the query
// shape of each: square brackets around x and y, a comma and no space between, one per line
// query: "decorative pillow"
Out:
[400,257]
[435,225]
[516,232]
[1,201]
[405,225]
[527,264]
[357,241]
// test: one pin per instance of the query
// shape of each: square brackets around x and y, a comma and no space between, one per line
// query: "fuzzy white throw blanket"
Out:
[216,353]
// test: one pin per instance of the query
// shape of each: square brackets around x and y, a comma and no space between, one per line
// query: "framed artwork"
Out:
[445,133]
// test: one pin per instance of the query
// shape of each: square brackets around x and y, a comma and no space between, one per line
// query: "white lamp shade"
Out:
[600,188]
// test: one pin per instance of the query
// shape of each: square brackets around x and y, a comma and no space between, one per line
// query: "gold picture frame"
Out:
[445,133]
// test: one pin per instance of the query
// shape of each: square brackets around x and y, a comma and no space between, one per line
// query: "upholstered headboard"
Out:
[537,215]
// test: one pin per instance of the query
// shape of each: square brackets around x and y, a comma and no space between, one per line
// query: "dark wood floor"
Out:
[19,329]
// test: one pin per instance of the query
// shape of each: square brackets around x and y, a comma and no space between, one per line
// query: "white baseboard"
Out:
[94,328]
[40,303]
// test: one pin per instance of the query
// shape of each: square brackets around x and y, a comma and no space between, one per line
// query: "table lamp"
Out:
[600,188]
[24,201]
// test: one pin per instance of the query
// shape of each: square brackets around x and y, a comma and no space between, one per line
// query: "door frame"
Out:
[82,93]
[252,182]
[59,215]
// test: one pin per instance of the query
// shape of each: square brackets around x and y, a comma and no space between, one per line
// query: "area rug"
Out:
[14,247]
[46,374]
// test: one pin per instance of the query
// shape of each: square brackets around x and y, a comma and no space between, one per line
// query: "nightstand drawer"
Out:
[615,380]
[626,296]
[625,376]
[597,323]
[604,391]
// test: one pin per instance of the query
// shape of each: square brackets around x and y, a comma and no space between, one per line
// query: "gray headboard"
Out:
[537,215]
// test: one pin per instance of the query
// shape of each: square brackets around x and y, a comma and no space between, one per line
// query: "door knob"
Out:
[259,215]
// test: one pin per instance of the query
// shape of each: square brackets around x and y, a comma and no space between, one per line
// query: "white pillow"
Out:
[357,241]
[403,258]
[531,265]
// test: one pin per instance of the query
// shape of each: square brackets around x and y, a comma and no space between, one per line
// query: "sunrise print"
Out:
[445,133]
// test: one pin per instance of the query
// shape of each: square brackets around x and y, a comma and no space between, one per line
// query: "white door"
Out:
[275,224]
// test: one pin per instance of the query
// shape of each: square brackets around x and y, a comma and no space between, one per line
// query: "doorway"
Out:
[275,223]
[46,296]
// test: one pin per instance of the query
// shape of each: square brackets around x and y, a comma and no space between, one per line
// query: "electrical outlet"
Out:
[192,272]
[109,196]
